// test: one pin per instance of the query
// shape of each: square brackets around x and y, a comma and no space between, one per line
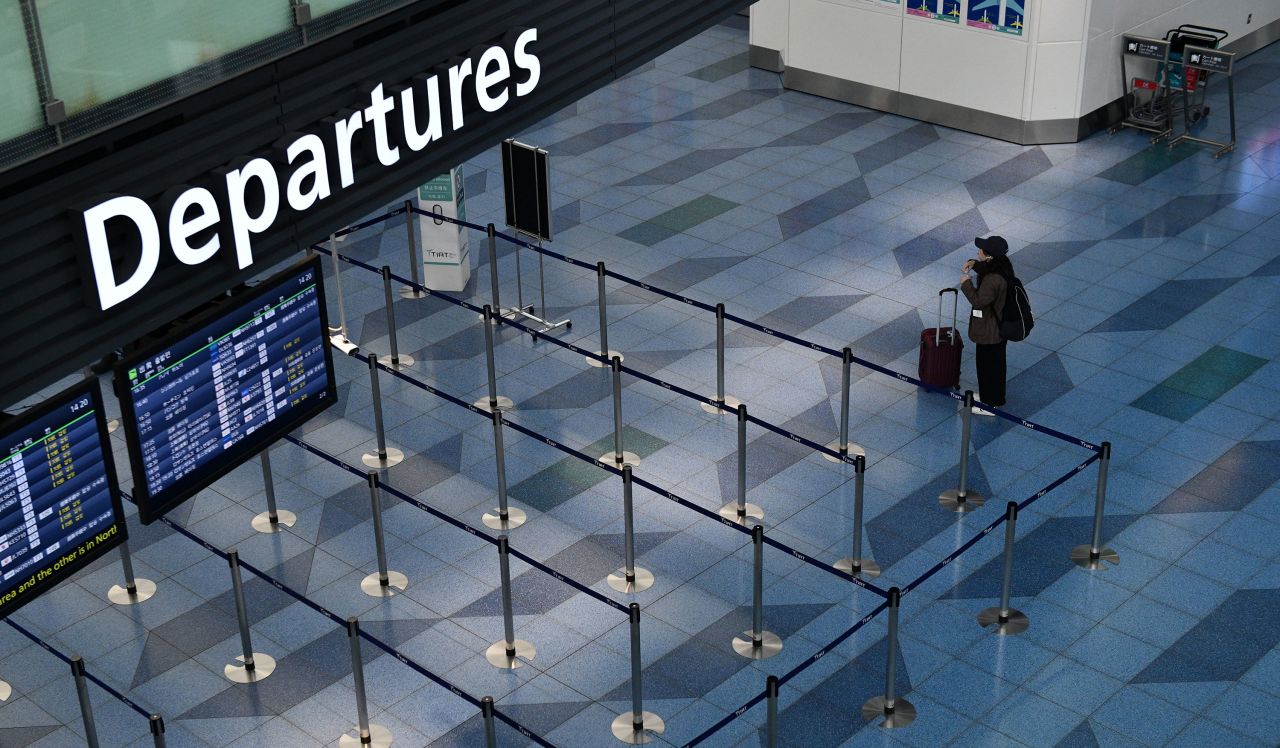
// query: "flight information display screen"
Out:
[225,386]
[59,499]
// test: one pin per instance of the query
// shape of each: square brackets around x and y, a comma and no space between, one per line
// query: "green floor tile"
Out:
[1145,164]
[1229,362]
[1170,403]
[1209,385]
[552,486]
[684,217]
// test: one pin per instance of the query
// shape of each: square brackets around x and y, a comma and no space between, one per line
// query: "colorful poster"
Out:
[1006,16]
[940,10]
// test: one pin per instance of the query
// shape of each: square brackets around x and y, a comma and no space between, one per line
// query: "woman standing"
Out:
[987,296]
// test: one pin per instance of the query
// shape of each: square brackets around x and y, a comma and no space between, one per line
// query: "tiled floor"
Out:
[1155,279]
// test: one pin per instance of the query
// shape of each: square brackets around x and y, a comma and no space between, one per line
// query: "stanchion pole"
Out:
[367,735]
[413,291]
[895,711]
[1091,556]
[135,590]
[273,520]
[630,578]
[962,499]
[503,517]
[757,644]
[250,666]
[509,653]
[338,338]
[396,360]
[855,564]
[725,401]
[156,723]
[494,401]
[1007,620]
[843,445]
[605,350]
[494,300]
[385,456]
[635,727]
[86,708]
[490,728]
[740,511]
[383,582]
[619,457]
[771,715]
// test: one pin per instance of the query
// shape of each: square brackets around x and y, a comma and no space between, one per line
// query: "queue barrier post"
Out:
[637,726]
[86,707]
[1092,555]
[135,590]
[491,232]
[630,578]
[961,499]
[414,289]
[855,564]
[338,336]
[274,519]
[725,402]
[396,360]
[842,445]
[493,401]
[250,666]
[757,644]
[384,456]
[366,735]
[490,728]
[740,511]
[606,352]
[156,724]
[383,582]
[503,517]
[897,712]
[619,457]
[1007,621]
[771,714]
[510,653]
[6,691]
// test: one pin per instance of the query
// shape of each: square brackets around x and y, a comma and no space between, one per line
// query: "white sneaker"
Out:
[980,412]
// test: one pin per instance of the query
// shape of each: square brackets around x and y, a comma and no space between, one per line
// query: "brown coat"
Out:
[988,298]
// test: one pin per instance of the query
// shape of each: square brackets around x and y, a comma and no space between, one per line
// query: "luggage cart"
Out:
[1146,99]
[1187,85]
[1205,62]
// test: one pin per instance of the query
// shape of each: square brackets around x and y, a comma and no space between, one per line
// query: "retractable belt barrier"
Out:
[95,679]
[375,641]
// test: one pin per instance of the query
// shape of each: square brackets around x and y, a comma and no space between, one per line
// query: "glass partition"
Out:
[99,51]
[22,111]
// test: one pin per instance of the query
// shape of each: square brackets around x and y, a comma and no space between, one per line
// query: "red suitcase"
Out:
[940,348]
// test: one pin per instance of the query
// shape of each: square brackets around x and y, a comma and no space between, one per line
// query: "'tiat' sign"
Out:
[246,197]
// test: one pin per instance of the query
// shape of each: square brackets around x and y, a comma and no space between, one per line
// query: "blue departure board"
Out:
[59,499]
[225,386]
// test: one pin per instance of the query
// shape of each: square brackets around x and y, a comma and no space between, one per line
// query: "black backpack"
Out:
[1016,320]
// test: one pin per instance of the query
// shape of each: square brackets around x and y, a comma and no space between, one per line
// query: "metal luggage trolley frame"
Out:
[1191,81]
[1146,102]
[1208,61]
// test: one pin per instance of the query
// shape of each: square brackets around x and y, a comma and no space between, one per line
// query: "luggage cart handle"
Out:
[955,315]
[1221,34]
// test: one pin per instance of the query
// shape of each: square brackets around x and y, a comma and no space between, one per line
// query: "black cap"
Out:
[995,246]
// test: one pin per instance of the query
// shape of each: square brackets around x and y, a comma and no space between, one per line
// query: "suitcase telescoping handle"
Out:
[955,312]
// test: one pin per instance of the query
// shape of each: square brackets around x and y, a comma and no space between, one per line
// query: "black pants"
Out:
[991,371]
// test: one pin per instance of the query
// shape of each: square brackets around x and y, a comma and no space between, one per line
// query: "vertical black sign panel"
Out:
[225,386]
[526,180]
[59,499]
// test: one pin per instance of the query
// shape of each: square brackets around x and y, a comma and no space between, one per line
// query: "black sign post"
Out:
[526,182]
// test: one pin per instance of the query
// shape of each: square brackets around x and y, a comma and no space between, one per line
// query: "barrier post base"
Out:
[379,737]
[731,404]
[609,356]
[1082,556]
[405,361]
[504,403]
[863,568]
[394,457]
[510,658]
[643,580]
[1014,623]
[730,512]
[853,450]
[745,645]
[950,499]
[263,665]
[493,519]
[412,292]
[373,587]
[6,691]
[901,715]
[624,728]
[144,590]
[611,458]
[284,518]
